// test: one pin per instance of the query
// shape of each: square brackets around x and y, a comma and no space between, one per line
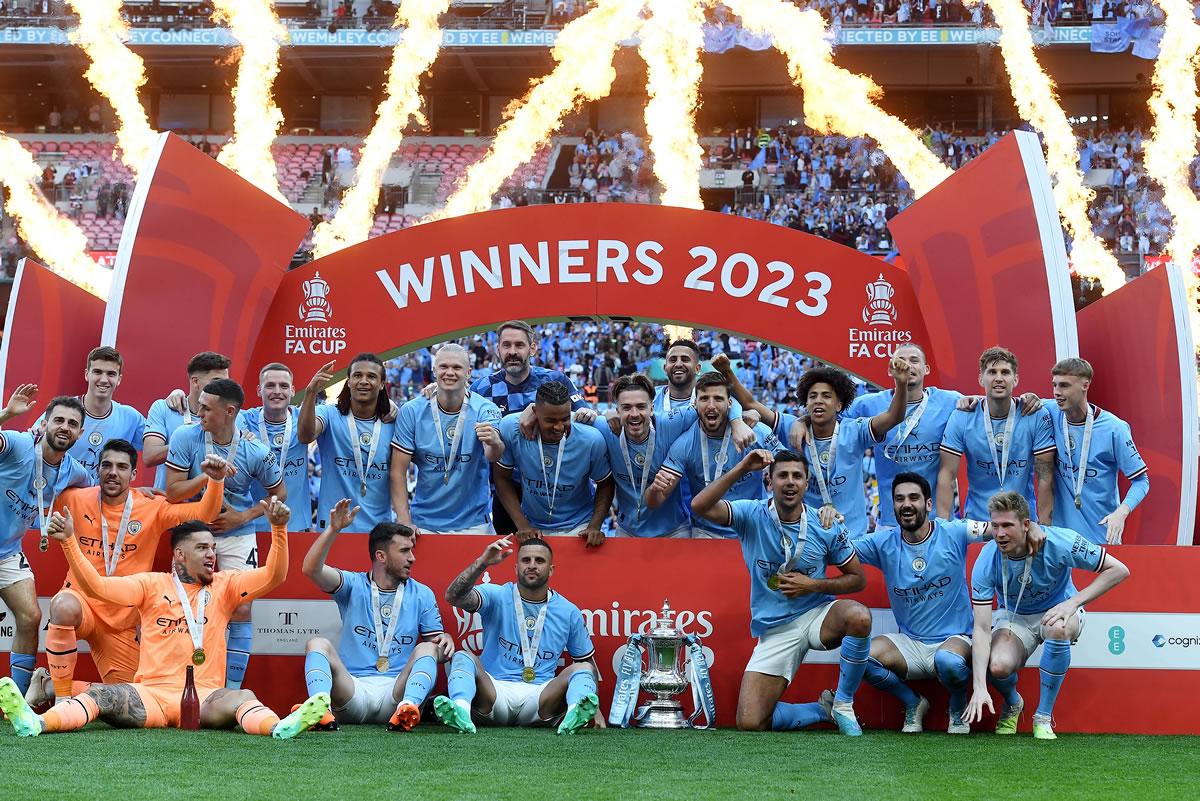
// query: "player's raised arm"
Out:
[741,394]
[707,503]
[893,415]
[326,578]
[249,585]
[461,592]
[121,590]
[308,425]
[209,506]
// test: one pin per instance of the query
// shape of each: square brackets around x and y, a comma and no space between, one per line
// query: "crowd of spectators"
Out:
[847,190]
[594,354]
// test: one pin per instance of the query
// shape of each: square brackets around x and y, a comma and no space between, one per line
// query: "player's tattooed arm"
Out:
[120,705]
[461,592]
[1043,469]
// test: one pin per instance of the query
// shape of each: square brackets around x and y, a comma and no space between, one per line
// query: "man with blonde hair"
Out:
[1037,604]
[1093,445]
[452,438]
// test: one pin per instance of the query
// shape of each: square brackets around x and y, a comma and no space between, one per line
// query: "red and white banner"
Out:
[201,255]
[620,261]
[985,252]
[50,327]
[1139,342]
[1144,633]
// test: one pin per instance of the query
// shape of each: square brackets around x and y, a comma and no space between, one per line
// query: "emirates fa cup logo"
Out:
[316,308]
[879,309]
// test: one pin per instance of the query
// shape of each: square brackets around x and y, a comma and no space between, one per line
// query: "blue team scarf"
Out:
[702,690]
[629,680]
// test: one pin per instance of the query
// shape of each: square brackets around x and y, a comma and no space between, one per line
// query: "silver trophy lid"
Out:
[664,625]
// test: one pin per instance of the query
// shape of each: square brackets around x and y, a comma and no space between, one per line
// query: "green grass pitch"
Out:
[526,765]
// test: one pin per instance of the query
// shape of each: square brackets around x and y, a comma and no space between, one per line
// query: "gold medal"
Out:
[528,675]
[381,664]
[198,657]
[362,489]
[773,583]
[1078,502]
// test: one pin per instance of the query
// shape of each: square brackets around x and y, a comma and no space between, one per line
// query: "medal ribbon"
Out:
[452,457]
[666,399]
[645,468]
[383,642]
[195,622]
[112,557]
[719,468]
[529,645]
[1081,469]
[352,430]
[1000,461]
[1004,584]
[790,549]
[287,435]
[824,475]
[910,423]
[39,484]
[557,469]
[210,446]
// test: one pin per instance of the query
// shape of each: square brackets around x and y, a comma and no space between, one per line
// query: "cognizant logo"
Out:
[1161,641]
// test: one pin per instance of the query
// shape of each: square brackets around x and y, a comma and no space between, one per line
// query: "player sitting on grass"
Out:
[1038,603]
[183,618]
[526,628]
[365,682]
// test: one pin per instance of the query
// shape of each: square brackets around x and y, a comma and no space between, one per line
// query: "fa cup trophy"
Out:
[666,676]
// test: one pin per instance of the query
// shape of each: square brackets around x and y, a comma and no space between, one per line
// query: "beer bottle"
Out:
[189,704]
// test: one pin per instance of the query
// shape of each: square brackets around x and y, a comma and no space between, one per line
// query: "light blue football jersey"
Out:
[584,459]
[845,480]
[927,580]
[632,512]
[762,548]
[358,650]
[19,466]
[920,452]
[339,468]
[254,463]
[1049,582]
[966,436]
[686,459]
[562,630]
[1110,451]
[463,500]
[121,422]
[294,464]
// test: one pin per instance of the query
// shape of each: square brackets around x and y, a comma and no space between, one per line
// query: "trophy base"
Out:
[662,714]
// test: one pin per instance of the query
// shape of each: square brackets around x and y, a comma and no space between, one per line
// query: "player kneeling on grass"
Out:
[924,564]
[1038,603]
[183,615]
[368,683]
[792,608]
[526,628]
